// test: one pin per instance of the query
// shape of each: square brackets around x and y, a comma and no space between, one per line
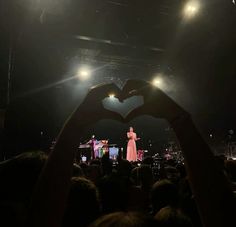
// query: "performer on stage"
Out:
[131,146]
[92,143]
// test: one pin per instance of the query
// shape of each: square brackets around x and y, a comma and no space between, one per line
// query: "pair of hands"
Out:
[156,103]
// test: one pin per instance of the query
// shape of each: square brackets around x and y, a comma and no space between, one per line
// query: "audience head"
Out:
[19,175]
[18,178]
[172,174]
[77,171]
[94,172]
[148,161]
[171,217]
[163,193]
[83,203]
[124,168]
[122,219]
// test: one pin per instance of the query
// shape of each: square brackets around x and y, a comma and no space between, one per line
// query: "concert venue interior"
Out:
[52,53]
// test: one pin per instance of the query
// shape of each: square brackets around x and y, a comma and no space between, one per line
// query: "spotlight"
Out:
[112,96]
[157,82]
[191,8]
[84,74]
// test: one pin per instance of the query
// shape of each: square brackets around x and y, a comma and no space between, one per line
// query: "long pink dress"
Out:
[131,147]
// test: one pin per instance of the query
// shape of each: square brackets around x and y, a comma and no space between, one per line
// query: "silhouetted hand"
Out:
[156,102]
[91,109]
[53,186]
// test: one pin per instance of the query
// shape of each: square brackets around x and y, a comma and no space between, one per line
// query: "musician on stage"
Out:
[131,146]
[92,143]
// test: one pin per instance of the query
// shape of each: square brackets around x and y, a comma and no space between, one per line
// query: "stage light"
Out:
[191,8]
[157,82]
[111,96]
[84,73]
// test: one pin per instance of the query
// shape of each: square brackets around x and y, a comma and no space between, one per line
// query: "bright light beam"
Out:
[191,9]
[84,74]
[157,82]
[36,90]
[111,96]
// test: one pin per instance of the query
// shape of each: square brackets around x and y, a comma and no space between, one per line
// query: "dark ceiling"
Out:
[48,35]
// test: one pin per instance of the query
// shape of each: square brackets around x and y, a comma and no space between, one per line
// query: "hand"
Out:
[48,205]
[91,110]
[156,102]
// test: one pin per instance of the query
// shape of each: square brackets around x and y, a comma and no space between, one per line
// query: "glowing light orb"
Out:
[191,9]
[157,82]
[84,74]
[112,96]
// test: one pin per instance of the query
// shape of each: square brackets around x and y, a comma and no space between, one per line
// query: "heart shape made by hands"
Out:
[124,106]
[125,101]
[135,99]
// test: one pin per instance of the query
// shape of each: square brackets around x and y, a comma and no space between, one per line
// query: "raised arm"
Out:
[210,186]
[211,189]
[49,198]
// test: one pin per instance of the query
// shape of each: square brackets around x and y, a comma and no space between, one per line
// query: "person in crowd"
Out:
[77,171]
[83,205]
[92,142]
[172,217]
[211,189]
[127,219]
[94,172]
[164,193]
[113,191]
[18,178]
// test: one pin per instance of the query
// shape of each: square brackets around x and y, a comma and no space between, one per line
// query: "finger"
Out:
[102,91]
[135,87]
[134,84]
